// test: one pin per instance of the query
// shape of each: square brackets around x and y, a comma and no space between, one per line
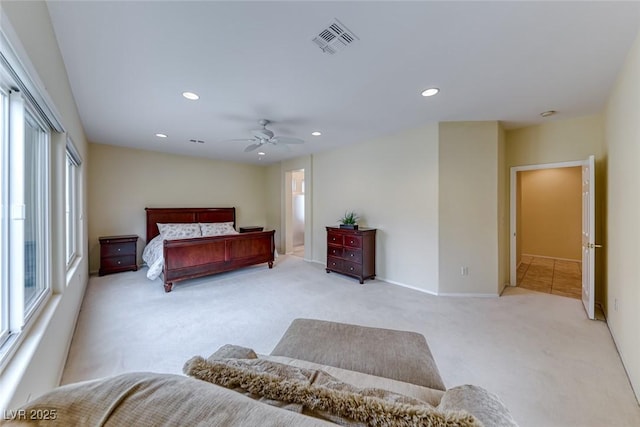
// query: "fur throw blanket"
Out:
[316,393]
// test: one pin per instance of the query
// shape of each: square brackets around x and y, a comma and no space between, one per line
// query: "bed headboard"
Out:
[172,215]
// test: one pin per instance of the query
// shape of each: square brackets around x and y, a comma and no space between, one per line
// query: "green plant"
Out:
[349,218]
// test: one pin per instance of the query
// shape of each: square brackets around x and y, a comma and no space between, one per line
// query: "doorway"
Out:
[548,223]
[295,212]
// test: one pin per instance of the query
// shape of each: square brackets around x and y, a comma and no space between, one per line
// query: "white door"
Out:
[588,236]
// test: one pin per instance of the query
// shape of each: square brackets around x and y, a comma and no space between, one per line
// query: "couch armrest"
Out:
[485,406]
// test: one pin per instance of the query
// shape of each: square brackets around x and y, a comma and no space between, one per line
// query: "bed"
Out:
[187,258]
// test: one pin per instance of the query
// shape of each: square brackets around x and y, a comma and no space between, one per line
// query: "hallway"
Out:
[552,276]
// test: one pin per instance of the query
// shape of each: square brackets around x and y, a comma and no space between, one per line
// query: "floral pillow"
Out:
[217,228]
[179,231]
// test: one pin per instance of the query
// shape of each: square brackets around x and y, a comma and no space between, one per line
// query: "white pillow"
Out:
[179,231]
[217,228]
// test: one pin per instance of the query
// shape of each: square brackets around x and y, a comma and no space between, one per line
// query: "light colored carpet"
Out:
[548,362]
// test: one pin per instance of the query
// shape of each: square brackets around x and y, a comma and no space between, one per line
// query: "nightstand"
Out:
[117,253]
[250,228]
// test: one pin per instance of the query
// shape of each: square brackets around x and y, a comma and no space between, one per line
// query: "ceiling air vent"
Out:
[334,37]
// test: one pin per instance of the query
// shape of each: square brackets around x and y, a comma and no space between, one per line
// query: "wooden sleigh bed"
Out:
[202,256]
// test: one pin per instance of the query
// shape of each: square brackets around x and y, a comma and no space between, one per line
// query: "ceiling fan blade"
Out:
[287,140]
[239,140]
[252,147]
[280,146]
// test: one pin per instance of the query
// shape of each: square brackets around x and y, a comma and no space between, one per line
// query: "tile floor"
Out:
[552,276]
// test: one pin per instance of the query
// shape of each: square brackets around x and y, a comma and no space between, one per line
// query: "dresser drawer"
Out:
[334,239]
[352,268]
[334,263]
[115,249]
[352,255]
[334,251]
[118,262]
[353,241]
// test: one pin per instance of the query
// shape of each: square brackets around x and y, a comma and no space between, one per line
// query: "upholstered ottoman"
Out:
[399,355]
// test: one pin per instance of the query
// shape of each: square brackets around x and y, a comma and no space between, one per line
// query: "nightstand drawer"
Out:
[128,261]
[118,249]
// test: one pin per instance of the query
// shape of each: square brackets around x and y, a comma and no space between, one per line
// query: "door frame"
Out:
[512,207]
[288,211]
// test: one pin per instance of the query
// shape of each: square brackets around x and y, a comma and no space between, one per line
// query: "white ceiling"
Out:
[128,63]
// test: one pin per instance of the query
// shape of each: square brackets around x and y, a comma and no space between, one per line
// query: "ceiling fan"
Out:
[265,136]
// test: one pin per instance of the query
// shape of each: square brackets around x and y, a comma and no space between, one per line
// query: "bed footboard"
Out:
[202,256]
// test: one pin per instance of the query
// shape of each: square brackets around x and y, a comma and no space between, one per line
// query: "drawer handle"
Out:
[333,263]
[118,249]
[118,262]
[352,242]
[351,255]
[351,268]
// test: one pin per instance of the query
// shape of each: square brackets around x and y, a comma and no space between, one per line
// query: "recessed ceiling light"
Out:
[431,91]
[316,133]
[261,153]
[190,95]
[548,113]
[161,135]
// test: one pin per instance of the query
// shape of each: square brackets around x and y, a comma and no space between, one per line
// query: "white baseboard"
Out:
[469,295]
[426,291]
[404,285]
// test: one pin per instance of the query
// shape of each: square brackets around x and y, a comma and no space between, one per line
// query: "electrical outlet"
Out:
[464,271]
[615,304]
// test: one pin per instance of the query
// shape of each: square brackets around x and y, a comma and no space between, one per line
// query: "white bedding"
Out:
[154,258]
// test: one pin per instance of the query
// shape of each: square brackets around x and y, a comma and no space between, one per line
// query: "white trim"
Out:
[404,285]
[513,274]
[470,295]
[426,291]
[72,151]
[13,54]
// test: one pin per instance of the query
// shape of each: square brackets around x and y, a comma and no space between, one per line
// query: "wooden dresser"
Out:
[117,253]
[352,252]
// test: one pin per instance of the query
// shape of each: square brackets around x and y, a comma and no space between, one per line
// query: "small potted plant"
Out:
[349,220]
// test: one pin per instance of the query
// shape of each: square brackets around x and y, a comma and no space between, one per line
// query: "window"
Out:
[25,252]
[72,203]
[36,218]
[27,120]
[4,279]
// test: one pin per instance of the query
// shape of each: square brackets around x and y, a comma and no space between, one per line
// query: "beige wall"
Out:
[392,183]
[623,214]
[551,212]
[123,181]
[468,208]
[566,140]
[38,364]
